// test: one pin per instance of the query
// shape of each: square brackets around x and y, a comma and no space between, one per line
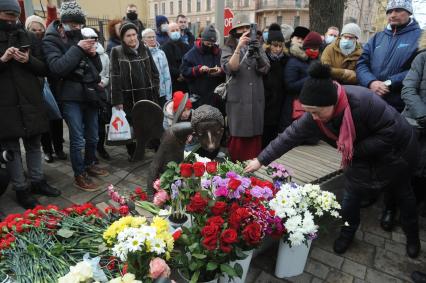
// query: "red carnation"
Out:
[176,235]
[186,170]
[211,167]
[252,233]
[124,210]
[219,207]
[210,243]
[199,169]
[198,204]
[234,184]
[215,220]
[229,236]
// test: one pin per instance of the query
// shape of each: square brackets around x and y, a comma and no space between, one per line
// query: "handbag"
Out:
[297,109]
[53,111]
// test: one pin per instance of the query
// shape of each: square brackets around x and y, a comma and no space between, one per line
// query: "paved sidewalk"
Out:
[376,256]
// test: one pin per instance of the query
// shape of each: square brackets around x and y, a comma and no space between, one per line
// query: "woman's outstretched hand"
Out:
[254,165]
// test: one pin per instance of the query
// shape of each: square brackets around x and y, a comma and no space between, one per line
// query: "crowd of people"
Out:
[284,87]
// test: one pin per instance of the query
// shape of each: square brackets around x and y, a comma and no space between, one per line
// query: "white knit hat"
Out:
[353,29]
[400,4]
[34,19]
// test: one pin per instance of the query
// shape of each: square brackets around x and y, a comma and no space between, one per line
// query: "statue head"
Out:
[208,126]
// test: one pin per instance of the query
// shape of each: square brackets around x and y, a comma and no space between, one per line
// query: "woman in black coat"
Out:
[379,148]
[134,75]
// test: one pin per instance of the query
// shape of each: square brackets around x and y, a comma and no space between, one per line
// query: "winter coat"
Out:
[175,50]
[112,42]
[414,90]
[296,70]
[134,77]
[339,62]
[274,90]
[65,60]
[162,37]
[201,84]
[388,56]
[245,102]
[160,60]
[105,64]
[21,101]
[188,38]
[384,142]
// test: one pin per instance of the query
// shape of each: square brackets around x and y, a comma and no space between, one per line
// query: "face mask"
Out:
[329,39]
[238,35]
[72,33]
[206,48]
[132,16]
[164,27]
[346,44]
[8,25]
[265,36]
[175,36]
[312,54]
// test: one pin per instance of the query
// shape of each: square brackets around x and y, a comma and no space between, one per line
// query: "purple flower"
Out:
[175,191]
[205,183]
[221,191]
[267,193]
[312,236]
[178,183]
[231,174]
[219,182]
[256,192]
[245,182]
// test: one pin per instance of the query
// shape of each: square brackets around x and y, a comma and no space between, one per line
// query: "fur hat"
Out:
[407,5]
[312,40]
[300,31]
[34,19]
[318,89]
[275,34]
[10,5]
[72,12]
[353,29]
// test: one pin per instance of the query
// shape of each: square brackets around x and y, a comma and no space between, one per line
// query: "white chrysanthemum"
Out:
[158,246]
[120,250]
[134,244]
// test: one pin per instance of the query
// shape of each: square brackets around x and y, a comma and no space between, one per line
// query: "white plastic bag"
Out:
[119,128]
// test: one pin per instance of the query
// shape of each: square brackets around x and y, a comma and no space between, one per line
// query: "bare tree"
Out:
[323,14]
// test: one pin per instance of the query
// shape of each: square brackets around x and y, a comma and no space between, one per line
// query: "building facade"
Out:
[364,13]
[290,12]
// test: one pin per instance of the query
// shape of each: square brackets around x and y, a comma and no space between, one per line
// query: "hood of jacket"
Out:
[155,49]
[296,50]
[412,25]
[52,30]
[159,20]
[422,41]
[336,48]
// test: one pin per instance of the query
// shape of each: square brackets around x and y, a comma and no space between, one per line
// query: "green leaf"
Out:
[238,269]
[199,256]
[193,247]
[193,266]
[102,247]
[57,249]
[194,278]
[65,233]
[226,268]
[211,266]
[240,253]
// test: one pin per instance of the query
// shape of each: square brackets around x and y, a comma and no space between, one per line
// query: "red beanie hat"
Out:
[313,40]
[177,98]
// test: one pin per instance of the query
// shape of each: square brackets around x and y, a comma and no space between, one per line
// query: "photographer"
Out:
[21,103]
[74,62]
[244,60]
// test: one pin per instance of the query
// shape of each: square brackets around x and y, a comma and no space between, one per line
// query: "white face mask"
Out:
[164,27]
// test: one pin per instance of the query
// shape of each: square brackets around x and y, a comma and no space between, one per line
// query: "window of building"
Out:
[171,8]
[209,5]
[264,21]
[296,21]
[246,3]
[156,9]
[198,5]
[163,8]
[180,6]
[298,3]
[279,20]
[188,6]
[229,3]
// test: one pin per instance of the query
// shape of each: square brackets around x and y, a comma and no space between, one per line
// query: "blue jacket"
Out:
[160,60]
[387,56]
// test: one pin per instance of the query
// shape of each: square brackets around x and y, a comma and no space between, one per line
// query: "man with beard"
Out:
[21,104]
[74,63]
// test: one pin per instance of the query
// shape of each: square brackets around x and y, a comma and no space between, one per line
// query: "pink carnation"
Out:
[156,185]
[158,268]
[160,197]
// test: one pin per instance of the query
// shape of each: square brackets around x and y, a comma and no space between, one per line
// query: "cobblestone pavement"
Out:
[376,256]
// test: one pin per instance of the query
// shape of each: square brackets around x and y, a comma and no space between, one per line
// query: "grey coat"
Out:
[245,102]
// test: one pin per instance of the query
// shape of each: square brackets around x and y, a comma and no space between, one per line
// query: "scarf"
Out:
[347,133]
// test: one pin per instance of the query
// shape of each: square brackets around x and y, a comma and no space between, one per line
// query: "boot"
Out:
[42,188]
[387,220]
[418,277]
[26,199]
[104,154]
[342,243]
[60,154]
[413,246]
[48,157]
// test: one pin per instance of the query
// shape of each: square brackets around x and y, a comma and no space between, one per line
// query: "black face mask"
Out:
[132,16]
[8,26]
[206,48]
[238,35]
[74,34]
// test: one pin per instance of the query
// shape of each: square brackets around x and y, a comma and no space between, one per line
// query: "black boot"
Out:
[104,154]
[48,157]
[342,243]
[413,246]
[42,188]
[26,199]
[418,277]
[387,220]
[60,154]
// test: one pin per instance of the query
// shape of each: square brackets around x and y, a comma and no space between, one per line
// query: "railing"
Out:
[282,4]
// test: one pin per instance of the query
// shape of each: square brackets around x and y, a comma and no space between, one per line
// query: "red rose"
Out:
[219,207]
[229,236]
[210,243]
[124,210]
[237,217]
[211,167]
[186,170]
[198,204]
[215,220]
[225,248]
[252,234]
[176,235]
[234,184]
[199,169]
[210,231]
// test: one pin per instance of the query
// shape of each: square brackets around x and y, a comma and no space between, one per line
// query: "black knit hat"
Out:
[72,12]
[300,31]
[10,5]
[209,34]
[125,27]
[318,89]
[275,34]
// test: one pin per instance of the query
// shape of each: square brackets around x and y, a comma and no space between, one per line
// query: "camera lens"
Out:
[6,156]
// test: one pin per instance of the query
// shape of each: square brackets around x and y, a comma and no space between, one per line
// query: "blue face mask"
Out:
[329,39]
[265,36]
[175,36]
[346,44]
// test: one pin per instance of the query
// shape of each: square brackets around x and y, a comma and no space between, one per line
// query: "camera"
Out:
[252,48]
[81,69]
[5,156]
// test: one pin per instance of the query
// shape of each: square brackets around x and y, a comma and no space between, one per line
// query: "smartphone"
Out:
[24,48]
[253,32]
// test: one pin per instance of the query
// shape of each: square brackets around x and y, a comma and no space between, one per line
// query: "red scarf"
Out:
[347,133]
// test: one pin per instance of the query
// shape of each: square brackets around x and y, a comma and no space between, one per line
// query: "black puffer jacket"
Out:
[21,100]
[384,148]
[64,58]
[175,50]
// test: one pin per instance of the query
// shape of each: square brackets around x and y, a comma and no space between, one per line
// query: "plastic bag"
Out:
[119,128]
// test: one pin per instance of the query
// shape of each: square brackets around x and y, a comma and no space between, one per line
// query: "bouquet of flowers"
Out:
[279,174]
[299,207]
[145,247]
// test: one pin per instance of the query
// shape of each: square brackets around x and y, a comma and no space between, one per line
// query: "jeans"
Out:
[33,158]
[82,121]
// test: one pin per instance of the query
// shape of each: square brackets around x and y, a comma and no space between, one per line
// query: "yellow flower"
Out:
[115,228]
[161,224]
